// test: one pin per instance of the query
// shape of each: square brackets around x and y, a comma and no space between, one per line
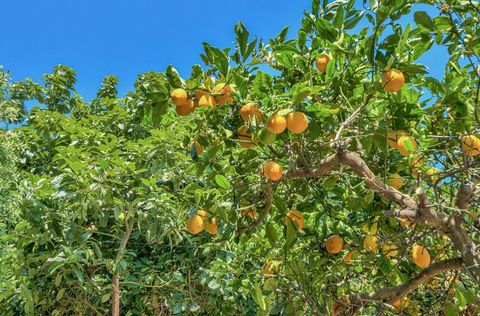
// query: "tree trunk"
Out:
[116,276]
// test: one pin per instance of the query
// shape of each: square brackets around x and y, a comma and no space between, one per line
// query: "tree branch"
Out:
[116,276]
[394,293]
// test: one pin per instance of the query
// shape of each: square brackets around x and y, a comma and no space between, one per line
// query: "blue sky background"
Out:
[129,37]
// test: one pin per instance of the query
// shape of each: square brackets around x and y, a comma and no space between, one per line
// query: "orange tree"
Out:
[325,174]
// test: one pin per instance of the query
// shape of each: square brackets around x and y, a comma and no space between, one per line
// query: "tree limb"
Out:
[394,293]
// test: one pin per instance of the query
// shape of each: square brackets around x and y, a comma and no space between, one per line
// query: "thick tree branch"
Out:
[116,276]
[394,293]
[419,211]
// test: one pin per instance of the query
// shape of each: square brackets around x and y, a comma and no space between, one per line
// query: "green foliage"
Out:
[78,174]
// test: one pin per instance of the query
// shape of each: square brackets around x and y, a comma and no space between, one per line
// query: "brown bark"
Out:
[116,276]
[417,209]
[394,293]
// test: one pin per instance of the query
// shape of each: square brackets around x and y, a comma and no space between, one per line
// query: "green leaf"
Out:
[326,30]
[272,234]
[262,84]
[350,23]
[423,19]
[106,297]
[259,297]
[58,279]
[173,77]
[60,294]
[217,57]
[291,233]
[222,182]
[451,310]
[339,17]
[158,110]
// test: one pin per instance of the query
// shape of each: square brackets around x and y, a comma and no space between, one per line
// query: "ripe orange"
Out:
[400,304]
[420,256]
[393,80]
[211,226]
[347,259]
[186,108]
[432,174]
[395,180]
[334,244]
[277,123]
[297,122]
[323,61]
[405,223]
[250,212]
[195,224]
[390,250]
[392,138]
[198,148]
[224,99]
[206,100]
[272,171]
[249,110]
[202,213]
[404,142]
[296,217]
[179,96]
[222,88]
[370,243]
[470,145]
[271,267]
[245,138]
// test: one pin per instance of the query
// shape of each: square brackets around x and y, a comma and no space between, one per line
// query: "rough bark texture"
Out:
[418,210]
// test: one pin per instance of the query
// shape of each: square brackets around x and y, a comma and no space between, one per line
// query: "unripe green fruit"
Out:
[266,137]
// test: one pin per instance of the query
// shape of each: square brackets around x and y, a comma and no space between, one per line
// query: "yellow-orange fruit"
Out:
[224,99]
[244,137]
[186,108]
[400,304]
[323,61]
[392,138]
[390,250]
[222,88]
[297,122]
[393,80]
[296,217]
[334,244]
[370,243]
[403,142]
[271,267]
[416,163]
[211,226]
[347,259]
[395,180]
[179,96]
[195,224]
[272,171]
[249,110]
[405,223]
[432,174]
[277,123]
[470,145]
[198,148]
[420,256]
[202,213]
[250,212]
[206,100]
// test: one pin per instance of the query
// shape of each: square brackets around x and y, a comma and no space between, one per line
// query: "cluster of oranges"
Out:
[200,221]
[185,104]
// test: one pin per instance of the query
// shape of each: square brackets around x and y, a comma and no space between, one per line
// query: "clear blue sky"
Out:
[129,37]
